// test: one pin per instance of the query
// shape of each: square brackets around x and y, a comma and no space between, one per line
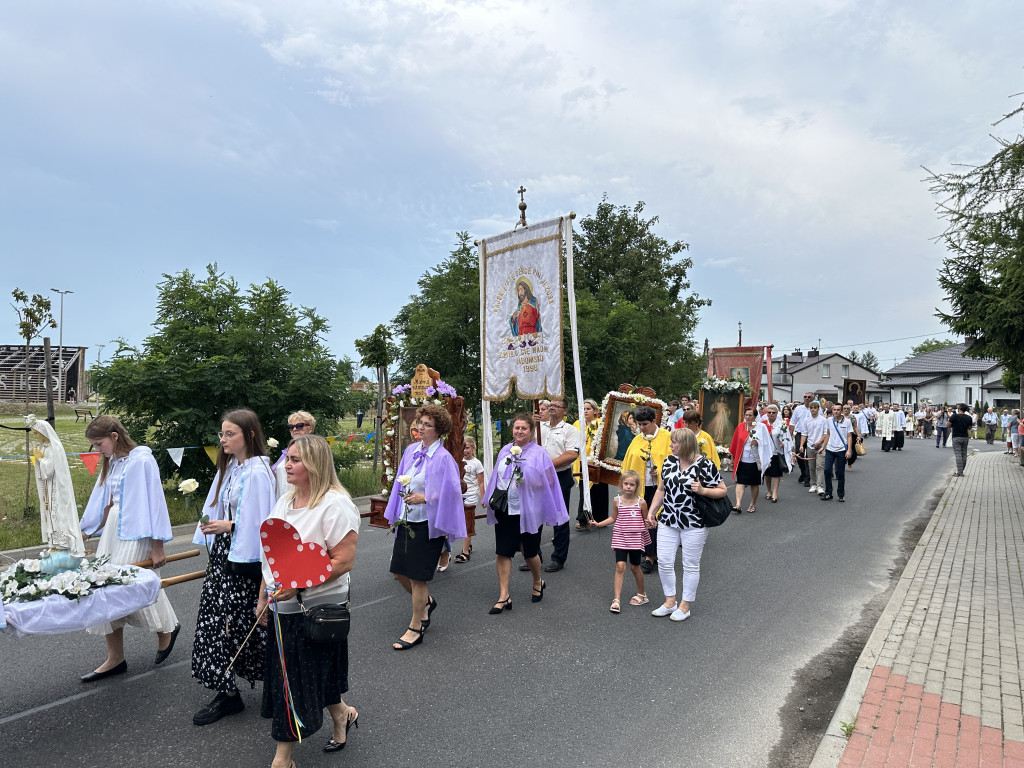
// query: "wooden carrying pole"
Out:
[176,579]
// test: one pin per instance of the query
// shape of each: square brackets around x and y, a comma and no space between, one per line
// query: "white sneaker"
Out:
[813,489]
[678,615]
[661,610]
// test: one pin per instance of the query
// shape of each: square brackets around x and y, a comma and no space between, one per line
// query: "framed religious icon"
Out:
[740,372]
[618,428]
[854,389]
[721,413]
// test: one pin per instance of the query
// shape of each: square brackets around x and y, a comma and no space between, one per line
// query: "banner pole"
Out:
[570,284]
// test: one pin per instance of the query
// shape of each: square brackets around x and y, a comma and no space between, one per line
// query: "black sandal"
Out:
[462,557]
[538,594]
[431,605]
[501,605]
[405,645]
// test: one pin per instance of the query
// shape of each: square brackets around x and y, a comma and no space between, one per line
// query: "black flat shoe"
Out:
[221,706]
[335,746]
[501,605]
[538,595]
[162,655]
[405,645]
[92,677]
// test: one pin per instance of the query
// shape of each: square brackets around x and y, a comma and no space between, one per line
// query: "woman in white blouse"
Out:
[320,510]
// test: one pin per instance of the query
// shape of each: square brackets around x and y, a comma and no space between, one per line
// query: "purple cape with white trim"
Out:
[446,514]
[540,496]
[143,505]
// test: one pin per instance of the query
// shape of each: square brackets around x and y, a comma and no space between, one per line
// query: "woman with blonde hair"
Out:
[128,506]
[424,506]
[319,508]
[299,423]
[241,497]
[685,474]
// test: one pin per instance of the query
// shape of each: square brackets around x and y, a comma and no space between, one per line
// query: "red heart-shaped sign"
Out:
[294,562]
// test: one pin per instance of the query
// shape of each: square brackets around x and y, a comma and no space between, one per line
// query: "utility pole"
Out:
[60,346]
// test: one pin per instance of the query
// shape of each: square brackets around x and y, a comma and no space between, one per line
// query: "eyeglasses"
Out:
[297,427]
[228,434]
[424,425]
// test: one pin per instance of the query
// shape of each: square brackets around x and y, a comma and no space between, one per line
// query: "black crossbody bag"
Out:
[328,623]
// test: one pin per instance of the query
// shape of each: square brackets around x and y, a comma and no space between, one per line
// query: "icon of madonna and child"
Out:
[526,319]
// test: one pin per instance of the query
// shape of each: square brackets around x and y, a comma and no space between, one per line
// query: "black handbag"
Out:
[713,512]
[499,503]
[327,623]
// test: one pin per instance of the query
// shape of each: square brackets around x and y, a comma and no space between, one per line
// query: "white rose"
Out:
[272,442]
[515,450]
[30,566]
[188,486]
[404,479]
[649,438]
[412,401]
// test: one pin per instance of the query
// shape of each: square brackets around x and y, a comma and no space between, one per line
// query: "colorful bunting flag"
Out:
[350,439]
[330,441]
[90,460]
[211,451]
[370,436]
[176,454]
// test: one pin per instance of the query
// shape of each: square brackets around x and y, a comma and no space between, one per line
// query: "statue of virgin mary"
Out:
[58,513]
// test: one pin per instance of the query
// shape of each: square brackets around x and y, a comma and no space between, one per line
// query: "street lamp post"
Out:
[60,345]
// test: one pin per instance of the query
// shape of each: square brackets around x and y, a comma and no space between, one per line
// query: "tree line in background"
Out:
[983,275]
[635,309]
[218,347]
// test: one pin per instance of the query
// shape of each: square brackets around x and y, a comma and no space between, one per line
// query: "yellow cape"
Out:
[707,447]
[661,446]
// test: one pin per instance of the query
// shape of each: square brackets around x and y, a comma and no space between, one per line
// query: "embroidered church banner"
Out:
[521,312]
[743,363]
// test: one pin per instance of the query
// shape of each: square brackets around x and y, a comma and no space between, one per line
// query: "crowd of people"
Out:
[656,516]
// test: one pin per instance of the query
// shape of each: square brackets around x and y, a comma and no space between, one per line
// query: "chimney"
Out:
[812,353]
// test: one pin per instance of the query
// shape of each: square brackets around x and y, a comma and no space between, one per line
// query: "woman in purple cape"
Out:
[524,471]
[425,505]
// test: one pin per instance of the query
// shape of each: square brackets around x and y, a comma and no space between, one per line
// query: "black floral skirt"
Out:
[317,677]
[226,614]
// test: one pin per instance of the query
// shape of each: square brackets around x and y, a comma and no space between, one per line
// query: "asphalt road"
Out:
[562,682]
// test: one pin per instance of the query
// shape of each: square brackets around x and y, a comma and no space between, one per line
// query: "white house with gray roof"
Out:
[947,376]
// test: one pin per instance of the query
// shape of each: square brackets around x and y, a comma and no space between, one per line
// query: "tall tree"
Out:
[930,345]
[377,351]
[440,325]
[218,347]
[34,315]
[633,297]
[983,273]
[870,361]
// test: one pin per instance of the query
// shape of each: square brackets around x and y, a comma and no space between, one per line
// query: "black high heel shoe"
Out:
[334,746]
[537,596]
[501,605]
[431,605]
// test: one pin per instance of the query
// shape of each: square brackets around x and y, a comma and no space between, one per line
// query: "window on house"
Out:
[846,371]
[907,399]
[825,371]
[969,396]
[967,377]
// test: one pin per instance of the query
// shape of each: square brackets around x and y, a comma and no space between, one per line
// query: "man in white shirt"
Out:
[562,442]
[991,421]
[812,441]
[797,427]
[870,412]
[838,449]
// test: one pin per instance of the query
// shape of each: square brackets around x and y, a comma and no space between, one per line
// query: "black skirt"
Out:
[415,556]
[747,473]
[317,677]
[777,468]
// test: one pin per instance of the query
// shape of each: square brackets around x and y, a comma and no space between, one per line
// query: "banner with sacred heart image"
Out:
[521,312]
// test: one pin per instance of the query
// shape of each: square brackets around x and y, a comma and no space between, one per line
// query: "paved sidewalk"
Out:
[940,680]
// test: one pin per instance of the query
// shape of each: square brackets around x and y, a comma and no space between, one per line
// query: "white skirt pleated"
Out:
[158,617]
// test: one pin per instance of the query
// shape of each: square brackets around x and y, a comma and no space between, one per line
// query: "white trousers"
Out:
[691,540]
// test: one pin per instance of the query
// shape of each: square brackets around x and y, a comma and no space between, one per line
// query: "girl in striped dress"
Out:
[629,536]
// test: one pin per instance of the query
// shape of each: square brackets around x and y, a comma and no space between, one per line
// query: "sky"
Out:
[339,146]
